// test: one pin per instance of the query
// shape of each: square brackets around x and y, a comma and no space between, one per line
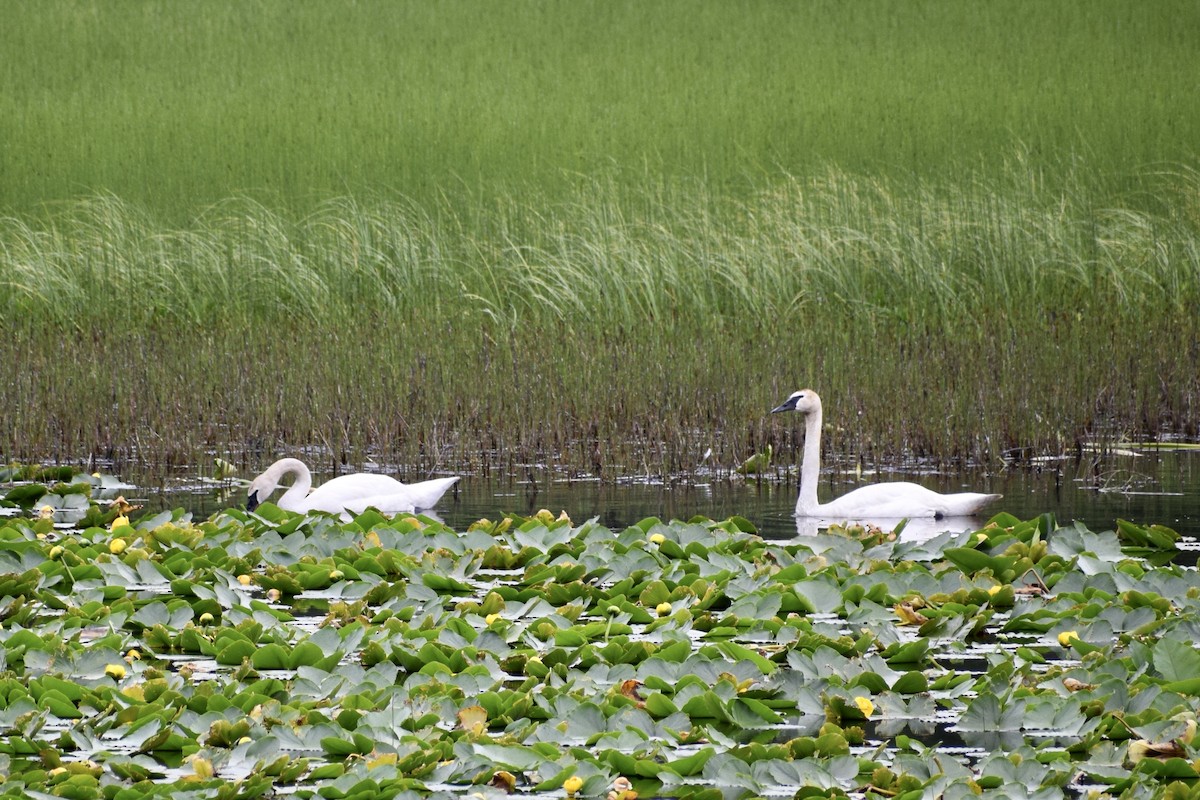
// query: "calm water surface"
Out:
[1143,486]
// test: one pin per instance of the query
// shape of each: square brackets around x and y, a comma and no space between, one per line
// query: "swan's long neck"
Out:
[300,485]
[810,466]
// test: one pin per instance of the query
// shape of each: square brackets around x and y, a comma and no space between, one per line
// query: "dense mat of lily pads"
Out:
[289,655]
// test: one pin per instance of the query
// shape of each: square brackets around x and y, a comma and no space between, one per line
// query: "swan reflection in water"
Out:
[916,529]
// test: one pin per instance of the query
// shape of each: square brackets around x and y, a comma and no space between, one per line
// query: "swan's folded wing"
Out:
[336,494]
[393,503]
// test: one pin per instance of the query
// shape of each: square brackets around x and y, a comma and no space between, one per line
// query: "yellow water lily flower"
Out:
[202,767]
[115,671]
[663,609]
[1066,637]
[572,785]
[118,522]
[657,538]
[865,706]
[117,546]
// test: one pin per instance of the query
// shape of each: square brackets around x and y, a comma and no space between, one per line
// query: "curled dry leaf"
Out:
[1142,748]
[123,506]
[504,780]
[909,615]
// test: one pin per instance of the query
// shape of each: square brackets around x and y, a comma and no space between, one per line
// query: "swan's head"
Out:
[260,489]
[805,401]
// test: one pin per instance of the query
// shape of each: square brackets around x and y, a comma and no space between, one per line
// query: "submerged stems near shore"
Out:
[607,335]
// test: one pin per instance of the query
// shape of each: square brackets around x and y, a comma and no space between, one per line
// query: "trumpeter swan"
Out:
[894,500]
[344,494]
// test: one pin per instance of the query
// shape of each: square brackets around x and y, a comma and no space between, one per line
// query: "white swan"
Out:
[344,494]
[894,500]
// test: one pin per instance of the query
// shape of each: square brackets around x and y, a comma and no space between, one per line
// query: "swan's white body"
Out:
[889,500]
[345,494]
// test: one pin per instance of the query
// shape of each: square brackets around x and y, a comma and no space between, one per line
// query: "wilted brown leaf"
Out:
[909,615]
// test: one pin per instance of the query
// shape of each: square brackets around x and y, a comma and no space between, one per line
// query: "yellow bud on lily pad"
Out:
[657,538]
[55,552]
[119,521]
[865,706]
[117,546]
[663,609]
[244,580]
[1066,637]
[206,618]
[490,618]
[572,785]
[996,588]
[115,671]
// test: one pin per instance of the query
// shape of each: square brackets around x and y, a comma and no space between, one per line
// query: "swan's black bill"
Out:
[788,405]
[252,501]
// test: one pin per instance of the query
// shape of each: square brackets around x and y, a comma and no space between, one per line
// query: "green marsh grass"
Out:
[176,107]
[954,321]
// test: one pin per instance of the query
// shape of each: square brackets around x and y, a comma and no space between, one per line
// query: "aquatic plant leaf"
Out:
[25,495]
[986,713]
[906,653]
[972,561]
[1176,660]
[1157,537]
[1171,769]
[911,682]
[823,596]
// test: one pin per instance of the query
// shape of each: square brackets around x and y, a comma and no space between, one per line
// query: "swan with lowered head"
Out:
[344,494]
[894,500]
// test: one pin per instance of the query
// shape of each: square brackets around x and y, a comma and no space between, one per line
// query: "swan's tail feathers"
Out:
[966,504]
[426,494]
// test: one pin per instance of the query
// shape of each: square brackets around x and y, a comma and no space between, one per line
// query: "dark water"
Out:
[1144,486]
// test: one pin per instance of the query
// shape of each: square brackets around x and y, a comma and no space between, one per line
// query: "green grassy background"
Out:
[175,106]
[605,236]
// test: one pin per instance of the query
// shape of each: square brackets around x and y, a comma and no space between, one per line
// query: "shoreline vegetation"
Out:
[956,323]
[595,237]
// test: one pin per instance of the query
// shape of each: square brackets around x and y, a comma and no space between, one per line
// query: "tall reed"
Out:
[951,321]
